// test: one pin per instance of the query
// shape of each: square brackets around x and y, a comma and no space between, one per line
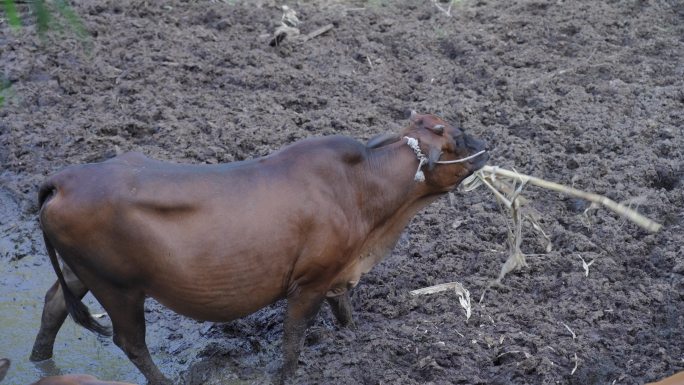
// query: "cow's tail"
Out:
[78,311]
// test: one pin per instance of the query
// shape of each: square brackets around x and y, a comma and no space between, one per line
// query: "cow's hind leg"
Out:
[302,307]
[342,310]
[4,367]
[54,314]
[126,310]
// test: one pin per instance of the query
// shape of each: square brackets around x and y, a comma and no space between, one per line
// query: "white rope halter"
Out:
[422,159]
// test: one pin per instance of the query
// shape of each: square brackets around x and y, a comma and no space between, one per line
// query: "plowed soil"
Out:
[586,93]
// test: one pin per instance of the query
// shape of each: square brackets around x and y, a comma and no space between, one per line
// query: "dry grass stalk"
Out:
[317,32]
[491,172]
[446,11]
[463,294]
[289,28]
[457,287]
[570,330]
[576,365]
[516,258]
[586,265]
[508,194]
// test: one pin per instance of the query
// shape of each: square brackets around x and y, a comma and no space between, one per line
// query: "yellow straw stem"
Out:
[620,209]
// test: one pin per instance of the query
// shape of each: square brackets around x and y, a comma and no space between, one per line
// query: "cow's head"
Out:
[440,142]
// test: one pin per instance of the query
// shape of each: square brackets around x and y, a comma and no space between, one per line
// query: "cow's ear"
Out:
[433,156]
[382,140]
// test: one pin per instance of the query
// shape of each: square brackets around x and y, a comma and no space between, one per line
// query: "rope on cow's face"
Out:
[422,159]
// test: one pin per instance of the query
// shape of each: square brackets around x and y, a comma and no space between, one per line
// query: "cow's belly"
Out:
[219,295]
[223,309]
[216,269]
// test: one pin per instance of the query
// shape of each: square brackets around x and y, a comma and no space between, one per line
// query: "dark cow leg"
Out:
[4,367]
[302,308]
[126,310]
[54,314]
[342,310]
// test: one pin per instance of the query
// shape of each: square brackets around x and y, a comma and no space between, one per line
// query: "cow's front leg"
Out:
[54,314]
[302,307]
[342,309]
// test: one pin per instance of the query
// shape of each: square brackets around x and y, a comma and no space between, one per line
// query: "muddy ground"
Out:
[586,93]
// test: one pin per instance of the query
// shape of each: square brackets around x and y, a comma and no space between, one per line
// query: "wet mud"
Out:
[584,93]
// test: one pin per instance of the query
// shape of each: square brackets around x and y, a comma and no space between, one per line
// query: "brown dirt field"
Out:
[586,93]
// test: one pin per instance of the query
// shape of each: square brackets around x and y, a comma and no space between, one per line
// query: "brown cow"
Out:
[218,242]
[71,379]
[675,379]
[76,379]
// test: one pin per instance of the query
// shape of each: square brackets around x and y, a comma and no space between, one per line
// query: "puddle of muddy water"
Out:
[76,351]
[23,285]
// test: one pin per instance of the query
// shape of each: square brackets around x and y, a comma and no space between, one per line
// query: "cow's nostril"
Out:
[474,144]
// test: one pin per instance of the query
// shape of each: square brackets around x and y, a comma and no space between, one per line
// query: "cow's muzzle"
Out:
[475,146]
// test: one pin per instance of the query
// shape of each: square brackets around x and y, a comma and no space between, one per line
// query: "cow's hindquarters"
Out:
[64,297]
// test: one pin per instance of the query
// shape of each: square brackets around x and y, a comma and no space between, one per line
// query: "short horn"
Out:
[438,129]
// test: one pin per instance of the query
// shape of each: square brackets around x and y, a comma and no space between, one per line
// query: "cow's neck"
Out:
[391,197]
[392,193]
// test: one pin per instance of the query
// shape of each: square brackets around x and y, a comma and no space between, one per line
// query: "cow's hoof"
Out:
[40,355]
[351,325]
[284,379]
[160,381]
